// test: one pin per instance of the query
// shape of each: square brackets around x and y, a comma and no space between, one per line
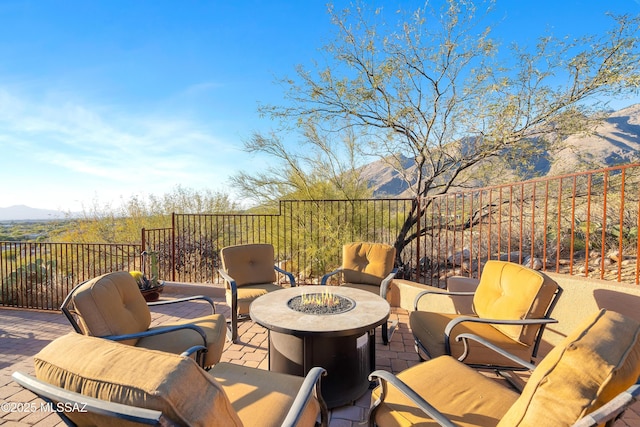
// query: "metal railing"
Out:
[40,275]
[307,236]
[581,224]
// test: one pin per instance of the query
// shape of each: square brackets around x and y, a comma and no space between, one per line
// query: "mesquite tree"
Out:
[437,88]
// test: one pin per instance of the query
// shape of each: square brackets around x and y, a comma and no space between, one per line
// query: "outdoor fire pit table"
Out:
[343,342]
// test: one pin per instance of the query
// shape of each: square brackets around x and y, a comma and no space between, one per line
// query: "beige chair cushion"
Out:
[429,327]
[249,264]
[213,325]
[248,293]
[511,291]
[262,398]
[453,388]
[112,304]
[367,263]
[593,364]
[111,371]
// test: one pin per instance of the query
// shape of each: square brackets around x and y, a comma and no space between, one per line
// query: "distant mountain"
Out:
[25,213]
[614,142]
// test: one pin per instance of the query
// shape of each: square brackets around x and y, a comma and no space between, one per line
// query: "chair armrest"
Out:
[62,400]
[384,285]
[230,280]
[199,351]
[70,312]
[188,352]
[442,292]
[465,337]
[612,409]
[326,276]
[233,287]
[191,298]
[461,319]
[292,279]
[384,378]
[159,331]
[311,382]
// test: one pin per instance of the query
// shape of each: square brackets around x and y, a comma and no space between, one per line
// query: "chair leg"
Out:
[200,358]
[418,348]
[232,329]
[372,350]
[388,329]
[515,381]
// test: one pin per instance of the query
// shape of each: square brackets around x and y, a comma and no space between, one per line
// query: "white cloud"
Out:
[58,152]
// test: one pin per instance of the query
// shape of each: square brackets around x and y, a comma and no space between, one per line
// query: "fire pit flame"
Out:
[325,302]
[326,298]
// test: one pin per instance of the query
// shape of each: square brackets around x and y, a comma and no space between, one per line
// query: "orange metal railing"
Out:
[580,224]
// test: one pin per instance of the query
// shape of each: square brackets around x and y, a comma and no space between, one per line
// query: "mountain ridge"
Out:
[613,142]
[26,213]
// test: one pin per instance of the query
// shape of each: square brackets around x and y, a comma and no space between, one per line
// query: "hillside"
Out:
[614,142]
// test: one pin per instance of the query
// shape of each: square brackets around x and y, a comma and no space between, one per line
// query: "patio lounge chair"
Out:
[111,306]
[367,266]
[249,271]
[511,304]
[587,380]
[99,382]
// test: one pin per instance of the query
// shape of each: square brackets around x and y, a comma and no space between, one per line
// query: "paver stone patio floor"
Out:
[23,333]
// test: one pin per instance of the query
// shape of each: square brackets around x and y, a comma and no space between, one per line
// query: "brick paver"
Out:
[24,333]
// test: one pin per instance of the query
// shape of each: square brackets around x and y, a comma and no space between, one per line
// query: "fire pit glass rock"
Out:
[321,303]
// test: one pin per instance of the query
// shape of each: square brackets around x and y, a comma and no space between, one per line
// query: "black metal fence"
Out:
[307,236]
[39,275]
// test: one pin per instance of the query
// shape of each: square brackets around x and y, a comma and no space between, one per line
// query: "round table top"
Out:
[272,312]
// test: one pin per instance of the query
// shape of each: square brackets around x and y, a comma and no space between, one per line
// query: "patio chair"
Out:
[512,304]
[588,379]
[367,266]
[249,271]
[111,306]
[99,382]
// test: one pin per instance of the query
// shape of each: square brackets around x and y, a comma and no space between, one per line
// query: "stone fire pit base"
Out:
[346,359]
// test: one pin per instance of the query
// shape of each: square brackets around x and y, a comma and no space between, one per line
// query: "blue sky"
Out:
[101,100]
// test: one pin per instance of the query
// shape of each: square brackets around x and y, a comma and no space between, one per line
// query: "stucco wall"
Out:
[581,297]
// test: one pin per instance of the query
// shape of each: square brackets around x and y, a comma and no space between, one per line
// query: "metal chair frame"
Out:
[232,331]
[61,400]
[606,414]
[545,320]
[70,313]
